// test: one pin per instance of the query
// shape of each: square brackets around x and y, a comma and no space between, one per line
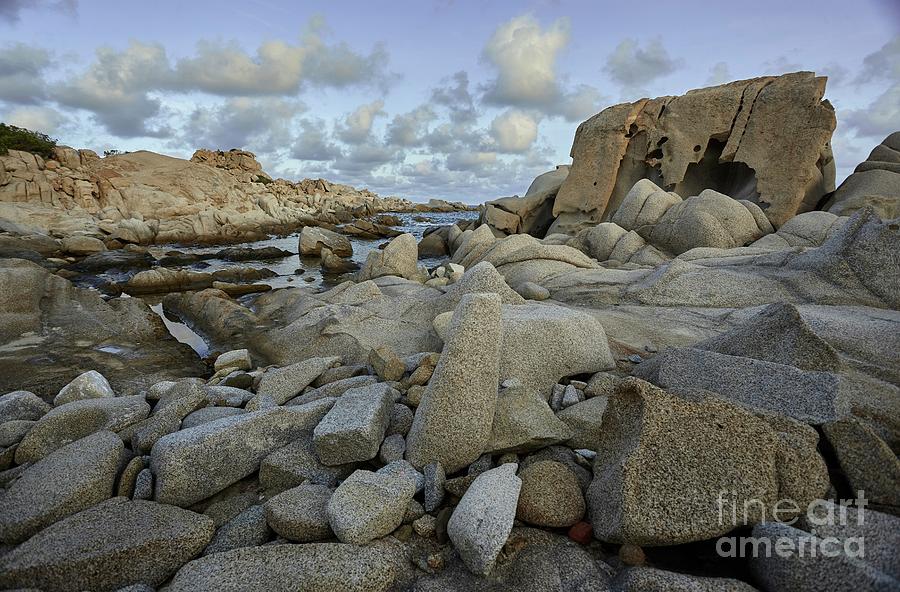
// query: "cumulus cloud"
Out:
[22,73]
[634,66]
[40,119]
[883,64]
[314,143]
[878,119]
[514,131]
[718,74]
[257,124]
[357,126]
[410,129]
[525,59]
[476,162]
[455,96]
[115,89]
[581,103]
[365,158]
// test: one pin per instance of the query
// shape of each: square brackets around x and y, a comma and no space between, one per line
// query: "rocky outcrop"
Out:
[875,183]
[531,214]
[144,197]
[734,138]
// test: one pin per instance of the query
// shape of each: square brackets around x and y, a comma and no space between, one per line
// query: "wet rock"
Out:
[251,254]
[313,238]
[114,544]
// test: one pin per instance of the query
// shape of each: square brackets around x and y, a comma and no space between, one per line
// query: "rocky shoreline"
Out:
[609,389]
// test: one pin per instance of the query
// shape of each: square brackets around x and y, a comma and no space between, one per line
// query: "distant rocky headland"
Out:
[144,198]
[675,353]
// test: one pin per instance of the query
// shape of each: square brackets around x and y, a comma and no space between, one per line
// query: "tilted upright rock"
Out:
[765,139]
[453,424]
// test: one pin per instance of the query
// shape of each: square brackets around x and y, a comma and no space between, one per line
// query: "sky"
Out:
[447,98]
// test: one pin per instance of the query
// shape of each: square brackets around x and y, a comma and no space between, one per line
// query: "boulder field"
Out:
[634,388]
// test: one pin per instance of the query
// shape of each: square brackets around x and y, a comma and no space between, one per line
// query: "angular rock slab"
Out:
[191,465]
[812,397]
[68,480]
[543,343]
[368,505]
[286,383]
[114,544]
[75,420]
[453,423]
[663,463]
[314,567]
[482,521]
[354,428]
[523,422]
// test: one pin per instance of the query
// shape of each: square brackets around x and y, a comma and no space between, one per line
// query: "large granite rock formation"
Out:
[144,197]
[874,183]
[765,139]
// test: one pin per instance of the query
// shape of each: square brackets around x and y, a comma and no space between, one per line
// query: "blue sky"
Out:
[453,99]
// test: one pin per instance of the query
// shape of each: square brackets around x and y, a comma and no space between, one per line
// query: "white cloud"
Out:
[410,129]
[314,143]
[634,66]
[455,96]
[257,124]
[883,64]
[357,126]
[583,102]
[514,131]
[525,58]
[22,70]
[39,119]
[11,10]
[879,119]
[477,162]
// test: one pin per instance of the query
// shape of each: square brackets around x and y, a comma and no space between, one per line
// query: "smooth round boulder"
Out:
[550,495]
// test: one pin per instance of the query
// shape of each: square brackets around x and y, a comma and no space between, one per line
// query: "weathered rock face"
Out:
[531,214]
[144,197]
[732,138]
[874,183]
[34,302]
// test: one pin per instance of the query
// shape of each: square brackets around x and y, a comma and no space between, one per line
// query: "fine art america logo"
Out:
[812,535]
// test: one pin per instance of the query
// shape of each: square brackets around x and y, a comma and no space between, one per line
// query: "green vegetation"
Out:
[263,179]
[112,152]
[18,138]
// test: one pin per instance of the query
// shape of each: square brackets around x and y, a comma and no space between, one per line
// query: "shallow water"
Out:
[305,271]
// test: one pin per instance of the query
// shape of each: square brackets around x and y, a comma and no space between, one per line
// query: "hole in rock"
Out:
[734,179]
[697,148]
[662,140]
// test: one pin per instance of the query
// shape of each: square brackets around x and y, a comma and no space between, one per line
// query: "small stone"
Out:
[484,463]
[632,555]
[367,506]
[286,383]
[582,533]
[434,486]
[414,511]
[571,396]
[129,476]
[236,359]
[401,420]
[300,514]
[635,359]
[90,385]
[143,485]
[387,363]
[402,468]
[392,449]
[425,526]
[533,291]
